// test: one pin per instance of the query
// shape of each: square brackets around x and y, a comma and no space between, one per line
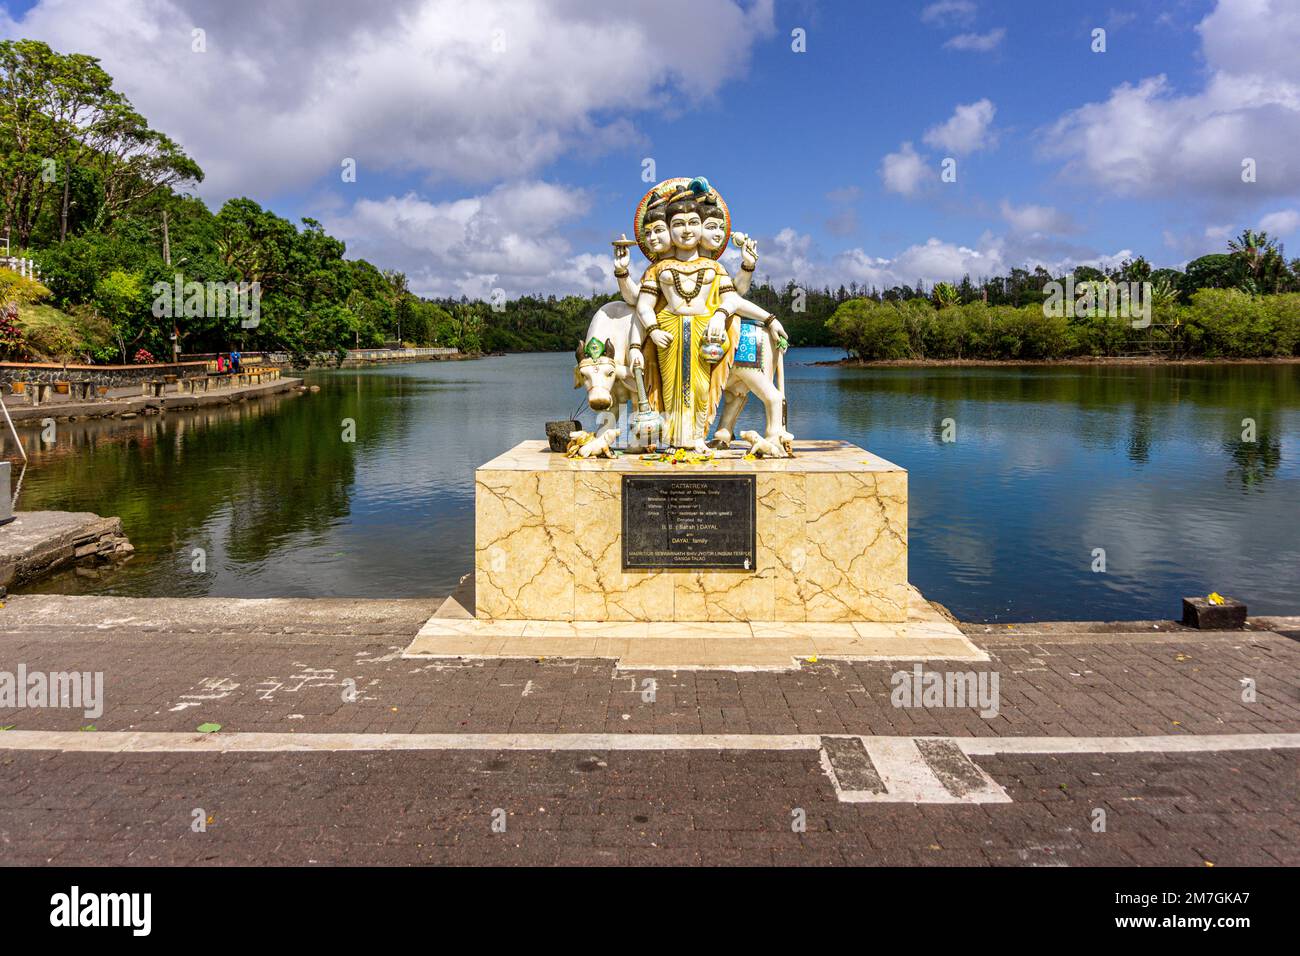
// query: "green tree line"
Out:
[1244,303]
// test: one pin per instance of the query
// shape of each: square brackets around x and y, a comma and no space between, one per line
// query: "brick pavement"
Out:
[632,808]
[268,668]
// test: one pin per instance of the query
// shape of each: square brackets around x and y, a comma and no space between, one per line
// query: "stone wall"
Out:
[111,375]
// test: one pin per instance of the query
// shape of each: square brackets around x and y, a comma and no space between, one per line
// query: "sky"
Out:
[502,144]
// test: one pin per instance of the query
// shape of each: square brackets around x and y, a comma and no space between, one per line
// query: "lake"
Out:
[1048,465]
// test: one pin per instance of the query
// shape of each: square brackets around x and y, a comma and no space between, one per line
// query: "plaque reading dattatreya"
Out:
[686,522]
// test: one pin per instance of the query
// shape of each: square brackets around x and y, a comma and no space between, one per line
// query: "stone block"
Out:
[1200,613]
[830,541]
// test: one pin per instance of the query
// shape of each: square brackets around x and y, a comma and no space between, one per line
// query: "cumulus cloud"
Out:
[1030,219]
[1148,139]
[977,42]
[968,129]
[793,256]
[905,171]
[473,245]
[445,89]
[1280,223]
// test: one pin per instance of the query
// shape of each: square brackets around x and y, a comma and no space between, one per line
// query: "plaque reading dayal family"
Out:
[680,521]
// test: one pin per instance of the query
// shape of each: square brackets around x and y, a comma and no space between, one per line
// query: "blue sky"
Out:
[501,144]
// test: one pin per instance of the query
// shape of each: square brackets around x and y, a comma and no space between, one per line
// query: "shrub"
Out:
[871,330]
[1226,322]
[20,290]
[13,344]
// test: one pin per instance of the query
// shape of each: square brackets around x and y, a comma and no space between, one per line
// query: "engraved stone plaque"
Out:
[688,522]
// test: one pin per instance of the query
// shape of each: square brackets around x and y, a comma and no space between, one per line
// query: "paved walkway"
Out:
[1109,747]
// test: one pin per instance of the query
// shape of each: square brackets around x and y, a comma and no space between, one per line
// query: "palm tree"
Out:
[944,295]
[1262,263]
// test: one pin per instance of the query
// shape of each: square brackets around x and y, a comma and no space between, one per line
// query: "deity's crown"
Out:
[697,188]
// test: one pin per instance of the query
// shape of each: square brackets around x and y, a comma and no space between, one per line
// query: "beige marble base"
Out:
[666,645]
[831,528]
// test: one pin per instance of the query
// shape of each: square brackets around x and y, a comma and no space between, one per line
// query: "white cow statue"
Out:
[741,381]
[603,370]
[602,364]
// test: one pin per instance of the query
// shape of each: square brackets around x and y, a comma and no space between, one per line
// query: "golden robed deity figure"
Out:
[687,306]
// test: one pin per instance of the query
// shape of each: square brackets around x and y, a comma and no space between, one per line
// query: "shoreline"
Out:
[128,408]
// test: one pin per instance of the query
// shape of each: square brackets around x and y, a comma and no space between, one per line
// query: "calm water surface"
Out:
[1049,464]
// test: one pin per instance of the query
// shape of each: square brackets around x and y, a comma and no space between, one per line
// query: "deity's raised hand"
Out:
[749,252]
[622,254]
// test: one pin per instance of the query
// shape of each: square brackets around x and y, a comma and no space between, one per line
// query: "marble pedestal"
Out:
[830,525]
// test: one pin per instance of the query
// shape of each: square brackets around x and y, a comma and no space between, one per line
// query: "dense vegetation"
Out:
[96,197]
[1218,323]
[1244,303]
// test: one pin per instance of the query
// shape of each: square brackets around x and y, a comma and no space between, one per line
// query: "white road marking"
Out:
[179,741]
[908,775]
[910,778]
[1164,743]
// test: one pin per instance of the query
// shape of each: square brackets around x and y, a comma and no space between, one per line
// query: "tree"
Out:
[134,161]
[60,111]
[944,295]
[1135,270]
[119,296]
[1215,271]
[1262,265]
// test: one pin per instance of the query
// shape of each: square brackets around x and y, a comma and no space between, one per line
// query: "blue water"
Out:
[1048,464]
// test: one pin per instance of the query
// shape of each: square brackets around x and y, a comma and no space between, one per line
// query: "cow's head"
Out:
[597,370]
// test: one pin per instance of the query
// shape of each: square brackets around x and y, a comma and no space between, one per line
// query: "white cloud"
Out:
[949,11]
[1146,139]
[967,130]
[791,255]
[1253,37]
[905,171]
[1280,223]
[977,42]
[441,88]
[470,246]
[1031,219]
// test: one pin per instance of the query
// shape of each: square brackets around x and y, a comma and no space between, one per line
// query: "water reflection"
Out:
[1047,464]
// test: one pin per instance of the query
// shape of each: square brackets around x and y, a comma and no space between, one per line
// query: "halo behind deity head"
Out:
[680,188]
